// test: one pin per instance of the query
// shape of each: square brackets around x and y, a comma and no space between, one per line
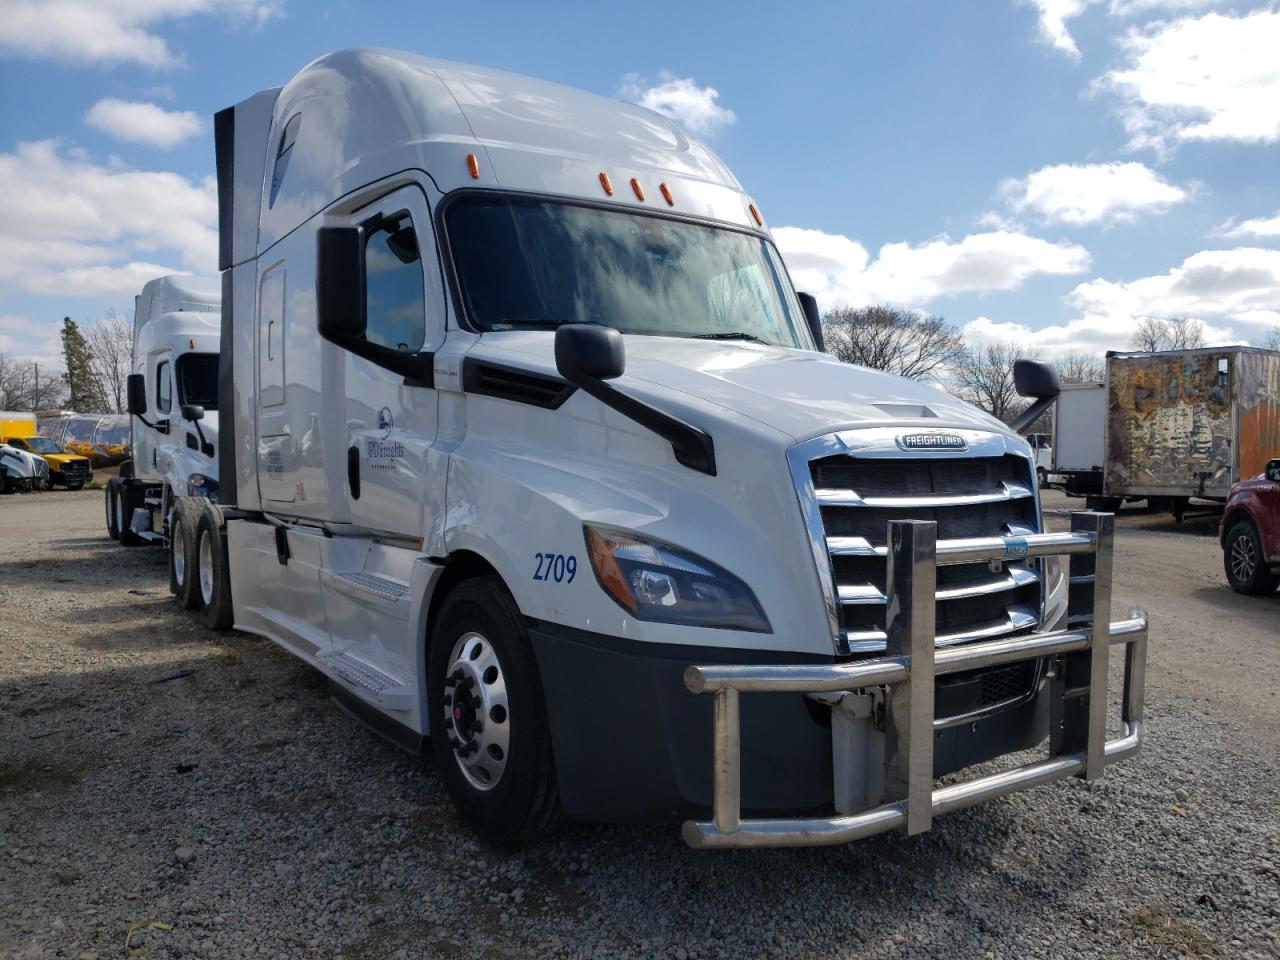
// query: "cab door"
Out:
[390,426]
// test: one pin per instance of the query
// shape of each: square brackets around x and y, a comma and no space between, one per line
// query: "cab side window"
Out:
[394,299]
[164,388]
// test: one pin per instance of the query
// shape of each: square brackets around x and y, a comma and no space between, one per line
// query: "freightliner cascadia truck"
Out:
[527,443]
[172,395]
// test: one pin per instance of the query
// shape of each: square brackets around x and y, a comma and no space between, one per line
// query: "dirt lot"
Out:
[151,770]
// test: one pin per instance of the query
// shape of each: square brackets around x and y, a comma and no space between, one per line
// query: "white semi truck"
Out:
[173,401]
[528,444]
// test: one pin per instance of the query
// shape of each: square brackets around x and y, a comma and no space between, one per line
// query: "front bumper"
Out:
[1077,696]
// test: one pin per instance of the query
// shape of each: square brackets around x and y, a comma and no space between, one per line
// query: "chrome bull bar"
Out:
[1078,689]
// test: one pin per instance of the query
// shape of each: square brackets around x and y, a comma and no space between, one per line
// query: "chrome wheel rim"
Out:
[206,571]
[476,717]
[1244,559]
[179,554]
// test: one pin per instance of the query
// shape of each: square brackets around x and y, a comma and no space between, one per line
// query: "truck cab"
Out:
[527,441]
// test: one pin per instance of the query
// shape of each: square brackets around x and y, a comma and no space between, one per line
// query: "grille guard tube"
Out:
[1077,741]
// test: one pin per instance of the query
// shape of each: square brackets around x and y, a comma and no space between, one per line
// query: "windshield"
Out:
[198,379]
[535,264]
[42,445]
[113,435]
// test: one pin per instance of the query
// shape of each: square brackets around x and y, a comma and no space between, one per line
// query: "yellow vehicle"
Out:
[68,470]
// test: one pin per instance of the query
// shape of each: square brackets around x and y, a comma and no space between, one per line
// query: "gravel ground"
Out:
[237,805]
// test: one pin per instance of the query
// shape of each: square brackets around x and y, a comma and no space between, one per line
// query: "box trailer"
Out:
[1079,438]
[1190,423]
[527,443]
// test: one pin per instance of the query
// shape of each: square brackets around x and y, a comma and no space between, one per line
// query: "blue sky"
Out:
[1045,170]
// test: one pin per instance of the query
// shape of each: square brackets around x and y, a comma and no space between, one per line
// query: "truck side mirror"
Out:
[589,350]
[192,412]
[340,306]
[1273,470]
[1036,380]
[136,394]
[340,284]
[588,354]
[809,304]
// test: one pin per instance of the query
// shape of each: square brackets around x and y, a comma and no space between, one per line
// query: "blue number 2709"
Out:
[555,566]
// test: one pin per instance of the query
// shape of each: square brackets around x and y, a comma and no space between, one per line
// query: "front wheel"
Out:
[1246,567]
[489,731]
[47,482]
[184,570]
[113,508]
[212,573]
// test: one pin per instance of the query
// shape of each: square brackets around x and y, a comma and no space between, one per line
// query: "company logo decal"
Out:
[385,421]
[1016,548]
[932,441]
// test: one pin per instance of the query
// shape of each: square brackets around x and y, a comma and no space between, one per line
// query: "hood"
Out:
[798,392]
[20,463]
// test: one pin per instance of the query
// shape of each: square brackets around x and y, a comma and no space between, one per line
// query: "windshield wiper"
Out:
[730,335]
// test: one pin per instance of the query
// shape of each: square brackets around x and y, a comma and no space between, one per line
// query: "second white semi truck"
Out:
[528,444]
[173,402]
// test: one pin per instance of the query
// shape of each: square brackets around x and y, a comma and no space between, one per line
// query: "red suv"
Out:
[1250,533]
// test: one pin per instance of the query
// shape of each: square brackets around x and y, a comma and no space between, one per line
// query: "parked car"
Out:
[1250,533]
[65,469]
[20,470]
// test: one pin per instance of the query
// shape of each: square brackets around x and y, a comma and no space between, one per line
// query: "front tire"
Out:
[184,569]
[1243,560]
[489,731]
[113,509]
[212,573]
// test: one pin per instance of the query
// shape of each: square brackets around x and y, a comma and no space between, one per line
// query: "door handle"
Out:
[353,471]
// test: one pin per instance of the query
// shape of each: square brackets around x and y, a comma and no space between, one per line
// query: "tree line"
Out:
[96,359]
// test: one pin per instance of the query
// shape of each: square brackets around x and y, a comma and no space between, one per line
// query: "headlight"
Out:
[198,485]
[656,581]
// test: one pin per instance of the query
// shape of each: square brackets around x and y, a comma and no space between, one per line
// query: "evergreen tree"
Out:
[79,376]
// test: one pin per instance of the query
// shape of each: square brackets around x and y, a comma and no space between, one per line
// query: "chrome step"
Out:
[386,689]
[382,587]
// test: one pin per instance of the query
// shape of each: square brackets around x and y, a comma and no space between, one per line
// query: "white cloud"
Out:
[1077,194]
[30,339]
[77,228]
[1214,283]
[680,98]
[1264,227]
[1052,22]
[1090,334]
[1209,78]
[111,31]
[1233,293]
[839,271]
[138,122]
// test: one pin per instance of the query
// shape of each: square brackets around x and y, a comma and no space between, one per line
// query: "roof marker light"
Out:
[192,342]
[606,183]
[756,214]
[666,194]
[639,191]
[474,166]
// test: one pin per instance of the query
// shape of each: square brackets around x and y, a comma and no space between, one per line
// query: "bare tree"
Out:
[1175,333]
[1080,366]
[1271,341]
[27,387]
[983,376]
[110,343]
[894,340]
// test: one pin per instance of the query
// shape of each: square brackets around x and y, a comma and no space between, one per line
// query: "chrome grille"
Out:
[856,482]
